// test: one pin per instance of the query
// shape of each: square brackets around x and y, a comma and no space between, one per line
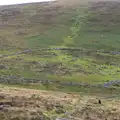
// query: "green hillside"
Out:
[48,23]
[91,26]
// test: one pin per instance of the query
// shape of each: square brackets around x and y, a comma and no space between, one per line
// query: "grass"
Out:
[45,35]
[91,79]
[79,67]
[56,34]
[100,92]
[39,103]
[53,36]
[91,68]
[64,66]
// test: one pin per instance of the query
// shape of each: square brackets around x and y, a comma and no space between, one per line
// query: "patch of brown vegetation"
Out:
[16,103]
[90,109]
[31,104]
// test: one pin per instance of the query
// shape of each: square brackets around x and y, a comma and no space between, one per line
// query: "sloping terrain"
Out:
[66,46]
[24,104]
[51,24]
[46,24]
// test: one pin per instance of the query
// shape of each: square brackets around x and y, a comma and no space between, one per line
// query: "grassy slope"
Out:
[48,24]
[29,27]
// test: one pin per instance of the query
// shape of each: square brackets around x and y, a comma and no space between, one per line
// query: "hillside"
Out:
[92,24]
[47,105]
[47,24]
[60,60]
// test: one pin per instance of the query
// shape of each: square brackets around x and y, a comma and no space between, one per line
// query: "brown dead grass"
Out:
[18,102]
